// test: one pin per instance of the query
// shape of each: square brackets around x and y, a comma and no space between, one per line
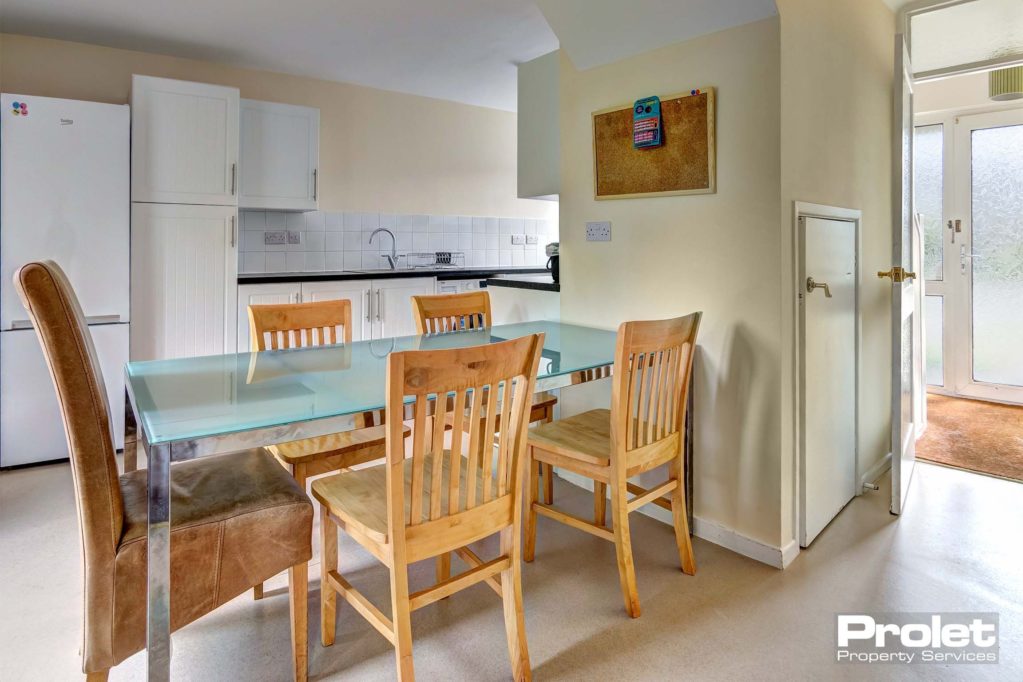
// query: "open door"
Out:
[906,345]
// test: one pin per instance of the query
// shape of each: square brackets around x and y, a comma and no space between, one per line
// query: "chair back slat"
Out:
[447,387]
[279,326]
[653,366]
[451,312]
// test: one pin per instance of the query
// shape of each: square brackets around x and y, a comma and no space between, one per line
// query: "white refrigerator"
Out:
[64,196]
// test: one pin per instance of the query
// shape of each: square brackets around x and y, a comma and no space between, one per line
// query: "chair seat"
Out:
[358,498]
[236,520]
[585,437]
[353,443]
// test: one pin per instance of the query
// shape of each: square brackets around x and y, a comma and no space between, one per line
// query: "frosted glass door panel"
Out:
[927,193]
[933,356]
[997,257]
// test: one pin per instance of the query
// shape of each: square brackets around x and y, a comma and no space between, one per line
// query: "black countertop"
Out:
[536,282]
[340,275]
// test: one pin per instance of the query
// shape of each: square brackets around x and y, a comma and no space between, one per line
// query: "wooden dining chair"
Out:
[282,326]
[440,499]
[642,430]
[236,519]
[471,310]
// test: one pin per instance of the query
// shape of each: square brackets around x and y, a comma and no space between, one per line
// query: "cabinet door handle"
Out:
[369,308]
[234,177]
[316,183]
[234,237]
[378,305]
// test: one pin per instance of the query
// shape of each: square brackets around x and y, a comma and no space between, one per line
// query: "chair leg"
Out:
[548,483]
[100,676]
[680,519]
[623,548]
[328,563]
[298,593]
[548,469]
[599,503]
[402,615]
[511,597]
[531,498]
[443,566]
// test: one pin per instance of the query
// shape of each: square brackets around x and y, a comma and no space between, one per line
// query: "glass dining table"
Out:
[195,407]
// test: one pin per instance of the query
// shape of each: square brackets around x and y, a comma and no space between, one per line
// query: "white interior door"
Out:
[827,479]
[986,262]
[906,345]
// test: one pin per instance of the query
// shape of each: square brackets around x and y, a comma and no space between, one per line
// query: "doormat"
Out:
[974,435]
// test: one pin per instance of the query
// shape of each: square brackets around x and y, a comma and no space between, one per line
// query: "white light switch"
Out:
[599,231]
[531,239]
[518,239]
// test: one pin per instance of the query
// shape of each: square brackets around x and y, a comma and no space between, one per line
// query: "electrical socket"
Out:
[294,237]
[275,238]
[531,239]
[518,239]
[598,231]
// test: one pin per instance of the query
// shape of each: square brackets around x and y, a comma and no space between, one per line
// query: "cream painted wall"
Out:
[836,149]
[719,253]
[379,150]
[957,92]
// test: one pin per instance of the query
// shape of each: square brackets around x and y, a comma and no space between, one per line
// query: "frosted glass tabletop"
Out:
[194,398]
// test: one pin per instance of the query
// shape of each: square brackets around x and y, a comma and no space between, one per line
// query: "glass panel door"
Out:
[989,182]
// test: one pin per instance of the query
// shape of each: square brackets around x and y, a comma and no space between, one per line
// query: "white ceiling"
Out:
[595,32]
[460,50]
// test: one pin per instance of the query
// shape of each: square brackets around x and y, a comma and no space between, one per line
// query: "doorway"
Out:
[968,187]
[969,198]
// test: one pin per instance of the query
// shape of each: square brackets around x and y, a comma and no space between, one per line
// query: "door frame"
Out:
[804,209]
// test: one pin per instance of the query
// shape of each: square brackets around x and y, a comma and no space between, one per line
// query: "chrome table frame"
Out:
[159,458]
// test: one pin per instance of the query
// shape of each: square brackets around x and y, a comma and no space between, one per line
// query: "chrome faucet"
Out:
[392,260]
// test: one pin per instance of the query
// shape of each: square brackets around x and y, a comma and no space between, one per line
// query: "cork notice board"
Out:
[684,164]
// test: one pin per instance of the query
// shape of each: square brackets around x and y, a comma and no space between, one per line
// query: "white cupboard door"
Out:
[184,280]
[392,305]
[262,294]
[356,291]
[184,142]
[279,155]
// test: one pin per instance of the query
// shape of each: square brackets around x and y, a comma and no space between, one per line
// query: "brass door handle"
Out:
[897,274]
[811,285]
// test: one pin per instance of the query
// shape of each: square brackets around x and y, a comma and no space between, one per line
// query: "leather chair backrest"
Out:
[71,357]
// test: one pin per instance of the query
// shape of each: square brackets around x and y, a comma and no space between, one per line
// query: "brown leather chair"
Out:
[236,520]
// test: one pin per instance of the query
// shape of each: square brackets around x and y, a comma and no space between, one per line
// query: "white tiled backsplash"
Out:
[340,241]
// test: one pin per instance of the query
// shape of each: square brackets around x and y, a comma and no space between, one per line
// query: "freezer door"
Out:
[64,182]
[31,428]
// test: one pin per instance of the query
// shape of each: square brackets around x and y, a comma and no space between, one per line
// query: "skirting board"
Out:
[777,557]
[877,471]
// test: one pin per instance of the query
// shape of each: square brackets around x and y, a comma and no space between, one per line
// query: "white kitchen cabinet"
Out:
[279,156]
[392,304]
[356,291]
[184,280]
[184,142]
[262,294]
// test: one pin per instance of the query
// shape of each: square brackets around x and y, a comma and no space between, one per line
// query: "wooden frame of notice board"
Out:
[686,163]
